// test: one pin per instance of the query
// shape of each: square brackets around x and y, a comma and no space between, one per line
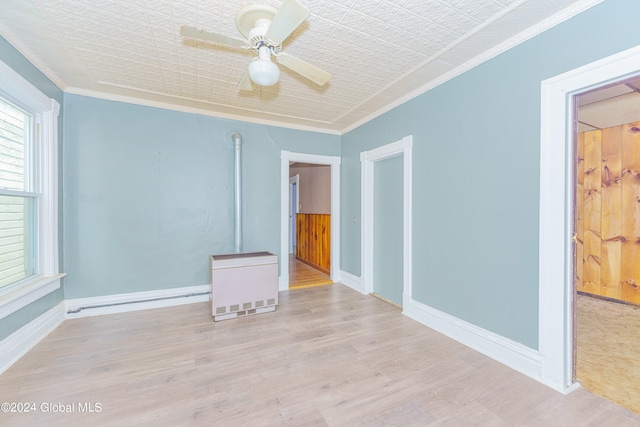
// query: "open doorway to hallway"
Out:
[556,255]
[309,224]
[607,241]
[286,159]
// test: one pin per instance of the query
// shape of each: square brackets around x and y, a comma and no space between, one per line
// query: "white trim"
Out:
[292,221]
[556,209]
[7,192]
[120,303]
[486,55]
[334,161]
[14,298]
[296,180]
[48,217]
[25,51]
[16,345]
[23,93]
[368,160]
[194,106]
[510,353]
[46,110]
[351,280]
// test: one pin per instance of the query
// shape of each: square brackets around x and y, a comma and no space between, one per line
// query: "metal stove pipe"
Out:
[236,138]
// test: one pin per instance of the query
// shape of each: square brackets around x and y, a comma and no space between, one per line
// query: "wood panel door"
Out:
[608,213]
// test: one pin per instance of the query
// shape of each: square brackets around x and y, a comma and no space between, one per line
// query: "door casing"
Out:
[557,177]
[286,157]
[367,161]
[294,204]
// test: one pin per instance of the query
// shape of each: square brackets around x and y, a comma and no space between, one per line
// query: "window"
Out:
[28,193]
[18,195]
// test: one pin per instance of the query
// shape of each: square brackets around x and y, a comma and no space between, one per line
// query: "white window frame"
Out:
[45,110]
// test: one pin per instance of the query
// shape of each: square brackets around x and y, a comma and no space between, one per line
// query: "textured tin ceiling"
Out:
[380,52]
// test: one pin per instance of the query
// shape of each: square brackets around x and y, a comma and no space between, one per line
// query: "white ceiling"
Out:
[380,52]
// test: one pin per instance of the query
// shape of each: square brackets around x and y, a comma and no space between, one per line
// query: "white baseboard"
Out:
[24,339]
[510,353]
[120,303]
[16,345]
[351,280]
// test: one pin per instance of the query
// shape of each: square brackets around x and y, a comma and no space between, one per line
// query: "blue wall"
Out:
[149,193]
[476,174]
[10,56]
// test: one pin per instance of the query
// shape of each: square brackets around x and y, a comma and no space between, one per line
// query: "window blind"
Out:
[16,198]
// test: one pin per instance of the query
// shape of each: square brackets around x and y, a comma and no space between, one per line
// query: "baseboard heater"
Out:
[77,310]
[243,284]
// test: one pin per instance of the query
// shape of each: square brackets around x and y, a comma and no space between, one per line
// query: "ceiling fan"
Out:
[264,29]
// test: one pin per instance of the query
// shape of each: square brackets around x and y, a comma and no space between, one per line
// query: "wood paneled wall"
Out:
[314,240]
[608,213]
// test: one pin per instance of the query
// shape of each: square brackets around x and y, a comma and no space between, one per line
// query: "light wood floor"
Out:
[608,356]
[328,356]
[302,275]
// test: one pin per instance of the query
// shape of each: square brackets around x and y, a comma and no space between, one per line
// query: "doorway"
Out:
[557,175]
[607,192]
[607,236]
[310,225]
[286,159]
[374,162]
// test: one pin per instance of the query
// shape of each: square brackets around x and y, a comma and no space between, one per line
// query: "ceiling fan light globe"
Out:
[264,73]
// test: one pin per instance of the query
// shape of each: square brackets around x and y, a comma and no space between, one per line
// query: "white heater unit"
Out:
[243,284]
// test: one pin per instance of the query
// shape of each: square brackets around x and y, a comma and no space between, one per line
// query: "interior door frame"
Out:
[294,180]
[368,160]
[287,157]
[557,178]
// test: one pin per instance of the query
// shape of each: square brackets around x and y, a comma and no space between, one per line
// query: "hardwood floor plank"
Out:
[328,356]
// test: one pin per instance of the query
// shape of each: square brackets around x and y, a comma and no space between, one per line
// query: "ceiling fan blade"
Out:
[303,68]
[290,15]
[196,33]
[245,82]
